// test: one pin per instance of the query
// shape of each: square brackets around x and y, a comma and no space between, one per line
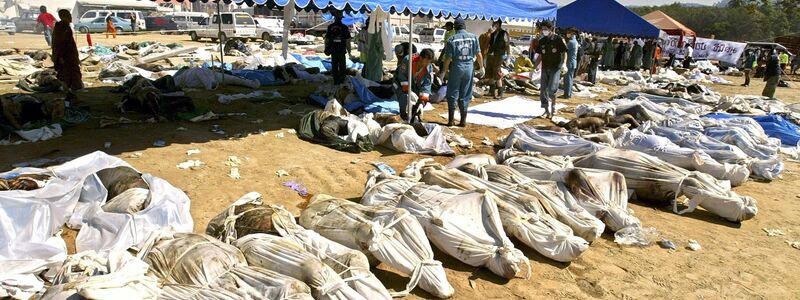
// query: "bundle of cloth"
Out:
[603,194]
[208,79]
[390,235]
[250,216]
[201,261]
[113,206]
[464,224]
[154,98]
[104,275]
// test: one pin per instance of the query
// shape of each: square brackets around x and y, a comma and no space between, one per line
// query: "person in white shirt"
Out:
[688,57]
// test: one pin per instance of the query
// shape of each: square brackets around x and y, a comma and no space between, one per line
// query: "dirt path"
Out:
[738,261]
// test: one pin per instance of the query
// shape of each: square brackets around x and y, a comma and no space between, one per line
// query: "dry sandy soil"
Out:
[738,261]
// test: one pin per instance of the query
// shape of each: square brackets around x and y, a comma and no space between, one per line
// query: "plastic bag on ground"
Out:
[391,235]
[202,261]
[249,215]
[465,225]
[403,138]
[100,230]
[636,236]
[505,182]
[652,178]
[284,256]
[527,138]
[108,275]
[690,159]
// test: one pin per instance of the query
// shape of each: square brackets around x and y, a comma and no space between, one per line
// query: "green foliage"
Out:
[741,20]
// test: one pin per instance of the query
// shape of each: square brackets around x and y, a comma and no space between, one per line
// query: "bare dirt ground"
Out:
[738,261]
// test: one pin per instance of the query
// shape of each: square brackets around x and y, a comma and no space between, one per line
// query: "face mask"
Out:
[545,32]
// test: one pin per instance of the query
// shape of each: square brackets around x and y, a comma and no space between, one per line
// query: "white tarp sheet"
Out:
[505,113]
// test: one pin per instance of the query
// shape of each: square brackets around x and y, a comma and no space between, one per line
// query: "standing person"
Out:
[499,48]
[572,61]
[65,53]
[636,56]
[656,58]
[783,59]
[553,55]
[485,40]
[337,46]
[772,75]
[647,55]
[48,22]
[619,56]
[608,54]
[795,64]
[461,52]
[134,24]
[688,57]
[110,28]
[422,64]
[747,67]
[594,63]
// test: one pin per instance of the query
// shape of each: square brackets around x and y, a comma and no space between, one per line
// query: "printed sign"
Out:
[720,50]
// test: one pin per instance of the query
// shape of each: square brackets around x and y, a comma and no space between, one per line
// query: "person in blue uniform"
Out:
[572,61]
[422,65]
[461,52]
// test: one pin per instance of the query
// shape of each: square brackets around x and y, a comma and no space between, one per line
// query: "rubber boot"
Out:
[492,88]
[501,91]
[451,111]
[463,110]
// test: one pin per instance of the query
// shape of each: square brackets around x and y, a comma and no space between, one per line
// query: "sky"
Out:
[647,2]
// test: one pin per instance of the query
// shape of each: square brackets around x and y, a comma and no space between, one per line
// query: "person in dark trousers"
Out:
[337,46]
[688,57]
[619,56]
[48,22]
[422,64]
[461,53]
[572,61]
[747,67]
[499,49]
[552,52]
[65,53]
[772,75]
[594,62]
[134,24]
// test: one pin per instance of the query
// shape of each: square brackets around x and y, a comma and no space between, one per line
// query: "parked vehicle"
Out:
[99,25]
[187,20]
[234,25]
[524,40]
[7,26]
[125,15]
[401,34]
[432,35]
[162,24]
[27,21]
[270,34]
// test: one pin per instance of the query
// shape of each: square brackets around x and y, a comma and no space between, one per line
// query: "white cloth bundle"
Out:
[389,234]
[107,275]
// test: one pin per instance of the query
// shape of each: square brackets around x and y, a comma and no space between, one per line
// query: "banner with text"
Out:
[726,51]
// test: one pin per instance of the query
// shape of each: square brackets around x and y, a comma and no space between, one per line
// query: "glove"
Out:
[563,69]
[404,85]
[424,97]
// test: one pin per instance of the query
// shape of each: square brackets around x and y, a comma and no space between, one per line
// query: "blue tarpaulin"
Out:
[265,77]
[366,102]
[313,61]
[774,125]
[606,17]
[468,9]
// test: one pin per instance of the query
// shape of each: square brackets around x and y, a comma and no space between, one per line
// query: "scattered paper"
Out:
[486,141]
[233,161]
[280,135]
[190,164]
[281,173]
[694,245]
[191,152]
[794,244]
[773,232]
[291,131]
[234,174]
[135,155]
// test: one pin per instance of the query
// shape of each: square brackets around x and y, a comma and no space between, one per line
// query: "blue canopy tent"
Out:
[348,19]
[606,17]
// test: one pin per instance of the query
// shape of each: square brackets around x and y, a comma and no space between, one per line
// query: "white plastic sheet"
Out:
[652,178]
[389,234]
[103,230]
[465,225]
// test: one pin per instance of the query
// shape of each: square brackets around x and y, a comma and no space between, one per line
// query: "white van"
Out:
[90,15]
[237,25]
[187,20]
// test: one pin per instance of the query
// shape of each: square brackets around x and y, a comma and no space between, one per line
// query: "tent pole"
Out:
[410,62]
[221,43]
[288,15]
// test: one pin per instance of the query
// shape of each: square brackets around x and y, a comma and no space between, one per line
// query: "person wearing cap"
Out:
[572,61]
[337,45]
[420,87]
[553,57]
[499,49]
[461,52]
